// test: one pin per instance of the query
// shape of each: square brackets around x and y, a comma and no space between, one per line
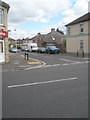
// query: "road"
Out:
[57,90]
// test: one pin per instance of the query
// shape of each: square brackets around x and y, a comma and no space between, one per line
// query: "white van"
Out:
[32,47]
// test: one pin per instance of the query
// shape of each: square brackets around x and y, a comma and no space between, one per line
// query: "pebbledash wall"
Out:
[4,53]
[78,35]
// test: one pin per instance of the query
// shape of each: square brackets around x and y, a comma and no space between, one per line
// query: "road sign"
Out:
[3,34]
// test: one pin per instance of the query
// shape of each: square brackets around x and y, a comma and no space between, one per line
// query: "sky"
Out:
[26,18]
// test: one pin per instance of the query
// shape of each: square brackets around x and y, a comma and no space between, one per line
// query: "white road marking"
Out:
[57,65]
[39,83]
[48,66]
[87,61]
[66,60]
[65,64]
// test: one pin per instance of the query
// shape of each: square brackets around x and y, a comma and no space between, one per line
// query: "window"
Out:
[69,29]
[81,28]
[1,47]
[52,38]
[1,16]
[81,44]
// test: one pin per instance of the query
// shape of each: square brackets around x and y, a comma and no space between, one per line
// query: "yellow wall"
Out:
[73,40]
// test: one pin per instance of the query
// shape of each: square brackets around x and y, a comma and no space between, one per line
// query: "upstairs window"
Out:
[1,16]
[81,28]
[69,30]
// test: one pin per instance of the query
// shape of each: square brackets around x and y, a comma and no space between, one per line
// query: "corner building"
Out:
[4,53]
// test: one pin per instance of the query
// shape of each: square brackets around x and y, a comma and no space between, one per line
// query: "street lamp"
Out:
[16,41]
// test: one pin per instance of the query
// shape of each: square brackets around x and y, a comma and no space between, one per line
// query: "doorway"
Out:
[2,52]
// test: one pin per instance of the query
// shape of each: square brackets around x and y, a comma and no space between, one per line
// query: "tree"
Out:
[64,42]
[44,43]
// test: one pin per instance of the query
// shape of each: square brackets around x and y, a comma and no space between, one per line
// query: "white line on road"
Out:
[47,66]
[56,65]
[39,83]
[66,60]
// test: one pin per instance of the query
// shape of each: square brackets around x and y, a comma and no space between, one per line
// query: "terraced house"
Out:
[78,35]
[4,54]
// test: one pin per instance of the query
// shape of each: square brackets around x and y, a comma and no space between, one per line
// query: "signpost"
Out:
[3,34]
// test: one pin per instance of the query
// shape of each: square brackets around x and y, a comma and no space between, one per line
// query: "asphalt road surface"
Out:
[57,90]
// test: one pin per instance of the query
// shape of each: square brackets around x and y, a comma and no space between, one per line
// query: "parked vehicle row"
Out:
[48,49]
[34,48]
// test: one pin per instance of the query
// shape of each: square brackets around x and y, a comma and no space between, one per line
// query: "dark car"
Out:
[52,49]
[13,50]
[41,50]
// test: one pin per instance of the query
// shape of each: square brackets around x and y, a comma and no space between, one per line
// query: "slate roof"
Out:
[83,18]
[4,5]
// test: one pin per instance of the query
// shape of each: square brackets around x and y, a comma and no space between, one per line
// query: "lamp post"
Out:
[16,41]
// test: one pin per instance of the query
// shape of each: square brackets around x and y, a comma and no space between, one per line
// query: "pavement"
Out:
[18,62]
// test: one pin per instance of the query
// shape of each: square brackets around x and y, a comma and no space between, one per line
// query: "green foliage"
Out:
[44,43]
[64,42]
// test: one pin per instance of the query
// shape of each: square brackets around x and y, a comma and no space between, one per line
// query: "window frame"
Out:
[1,16]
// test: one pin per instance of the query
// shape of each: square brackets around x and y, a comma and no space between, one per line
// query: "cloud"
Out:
[43,11]
[73,12]
[35,10]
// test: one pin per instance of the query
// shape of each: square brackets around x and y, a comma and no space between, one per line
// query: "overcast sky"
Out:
[29,17]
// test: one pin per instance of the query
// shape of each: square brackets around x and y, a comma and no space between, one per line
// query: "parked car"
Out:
[13,50]
[52,49]
[25,48]
[41,50]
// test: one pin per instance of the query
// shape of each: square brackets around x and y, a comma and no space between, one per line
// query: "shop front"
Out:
[3,36]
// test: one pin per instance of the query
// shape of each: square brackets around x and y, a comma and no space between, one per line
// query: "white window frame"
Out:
[1,15]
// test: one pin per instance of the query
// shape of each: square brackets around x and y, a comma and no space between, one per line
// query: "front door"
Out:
[2,52]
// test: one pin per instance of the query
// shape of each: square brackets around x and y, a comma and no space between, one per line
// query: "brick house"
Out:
[52,38]
[55,38]
[39,38]
[25,41]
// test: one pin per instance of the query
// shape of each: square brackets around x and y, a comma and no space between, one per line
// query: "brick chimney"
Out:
[53,30]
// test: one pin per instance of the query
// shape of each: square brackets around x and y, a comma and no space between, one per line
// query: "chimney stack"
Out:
[53,30]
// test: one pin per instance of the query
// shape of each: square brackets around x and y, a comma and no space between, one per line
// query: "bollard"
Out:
[83,54]
[77,53]
[27,56]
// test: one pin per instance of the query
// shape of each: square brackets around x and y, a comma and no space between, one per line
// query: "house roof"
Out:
[83,18]
[4,5]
